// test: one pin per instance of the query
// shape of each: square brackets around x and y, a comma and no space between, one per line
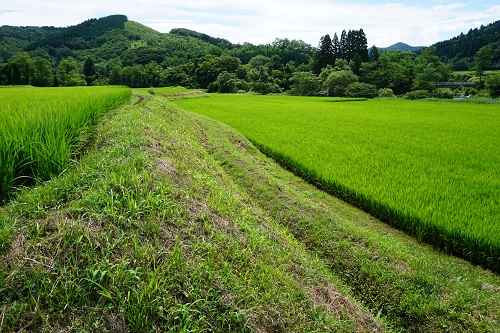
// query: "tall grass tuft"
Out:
[44,128]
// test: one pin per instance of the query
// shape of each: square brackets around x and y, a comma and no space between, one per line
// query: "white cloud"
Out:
[449,6]
[259,21]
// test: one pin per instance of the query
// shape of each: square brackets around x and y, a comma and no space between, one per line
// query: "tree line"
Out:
[112,53]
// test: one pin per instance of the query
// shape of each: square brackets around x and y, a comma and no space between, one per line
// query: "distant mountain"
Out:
[402,47]
[50,42]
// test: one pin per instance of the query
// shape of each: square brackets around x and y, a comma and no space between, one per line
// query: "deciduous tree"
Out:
[209,67]
[429,70]
[392,70]
[68,74]
[89,71]
[20,68]
[482,60]
[493,85]
[338,81]
[360,89]
[305,84]
[42,75]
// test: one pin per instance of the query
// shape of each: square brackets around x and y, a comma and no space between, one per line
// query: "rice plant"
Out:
[431,168]
[42,129]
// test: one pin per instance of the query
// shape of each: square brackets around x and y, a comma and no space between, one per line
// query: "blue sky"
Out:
[418,23]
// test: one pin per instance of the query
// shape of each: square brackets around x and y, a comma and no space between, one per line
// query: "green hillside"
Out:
[115,43]
[102,39]
[459,51]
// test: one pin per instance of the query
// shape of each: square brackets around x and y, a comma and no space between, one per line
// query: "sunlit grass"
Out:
[431,168]
[42,129]
[144,235]
[172,222]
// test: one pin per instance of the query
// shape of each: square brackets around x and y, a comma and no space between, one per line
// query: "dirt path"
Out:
[186,94]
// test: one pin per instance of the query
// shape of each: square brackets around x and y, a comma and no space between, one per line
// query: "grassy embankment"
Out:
[148,233]
[174,222]
[431,168]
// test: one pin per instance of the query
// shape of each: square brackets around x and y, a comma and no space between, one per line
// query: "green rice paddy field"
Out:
[43,129]
[431,168]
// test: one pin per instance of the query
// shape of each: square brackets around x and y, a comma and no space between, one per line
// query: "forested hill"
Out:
[220,42]
[108,38]
[81,36]
[51,41]
[116,38]
[460,51]
[114,50]
[115,43]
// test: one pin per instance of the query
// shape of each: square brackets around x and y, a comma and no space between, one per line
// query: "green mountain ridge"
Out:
[459,51]
[102,39]
[115,31]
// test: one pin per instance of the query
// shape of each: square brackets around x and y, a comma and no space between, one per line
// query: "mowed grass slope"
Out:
[147,233]
[431,168]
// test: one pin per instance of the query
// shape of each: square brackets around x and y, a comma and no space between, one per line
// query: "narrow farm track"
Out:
[140,98]
[180,95]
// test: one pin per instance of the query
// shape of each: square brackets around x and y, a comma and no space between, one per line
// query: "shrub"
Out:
[226,82]
[304,83]
[265,88]
[386,92]
[359,89]
[337,82]
[445,93]
[493,85]
[213,87]
[417,94]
